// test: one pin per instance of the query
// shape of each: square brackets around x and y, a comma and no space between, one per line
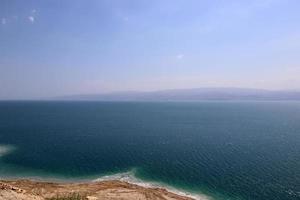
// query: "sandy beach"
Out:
[112,190]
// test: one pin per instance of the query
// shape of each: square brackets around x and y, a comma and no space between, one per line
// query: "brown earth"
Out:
[111,190]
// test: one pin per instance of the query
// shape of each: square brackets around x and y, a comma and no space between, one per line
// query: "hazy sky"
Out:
[55,47]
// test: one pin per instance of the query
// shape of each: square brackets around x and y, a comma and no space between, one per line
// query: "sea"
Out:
[218,150]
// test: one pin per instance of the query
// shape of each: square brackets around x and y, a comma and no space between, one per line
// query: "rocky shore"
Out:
[111,190]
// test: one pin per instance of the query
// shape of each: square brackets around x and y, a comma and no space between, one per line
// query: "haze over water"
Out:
[55,48]
[225,150]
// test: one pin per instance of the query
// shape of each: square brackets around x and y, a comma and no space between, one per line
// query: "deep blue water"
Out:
[227,150]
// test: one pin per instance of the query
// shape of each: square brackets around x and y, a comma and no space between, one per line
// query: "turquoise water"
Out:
[225,150]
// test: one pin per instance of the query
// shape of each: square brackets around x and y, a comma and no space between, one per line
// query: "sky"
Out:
[53,48]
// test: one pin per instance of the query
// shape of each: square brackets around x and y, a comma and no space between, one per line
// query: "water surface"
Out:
[226,150]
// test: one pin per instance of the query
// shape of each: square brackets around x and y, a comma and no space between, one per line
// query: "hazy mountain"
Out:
[198,94]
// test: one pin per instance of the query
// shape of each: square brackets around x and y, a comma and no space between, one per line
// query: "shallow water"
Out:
[225,150]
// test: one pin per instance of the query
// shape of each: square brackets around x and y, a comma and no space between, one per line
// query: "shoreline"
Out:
[127,177]
[26,189]
[130,178]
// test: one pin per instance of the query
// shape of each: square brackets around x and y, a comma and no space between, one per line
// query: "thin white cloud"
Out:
[3,21]
[31,19]
[179,56]
[32,16]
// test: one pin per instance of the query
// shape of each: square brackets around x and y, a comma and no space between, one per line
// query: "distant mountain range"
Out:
[198,94]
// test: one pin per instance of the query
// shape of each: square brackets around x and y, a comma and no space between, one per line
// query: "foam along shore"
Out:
[107,189]
[130,178]
[116,186]
[123,185]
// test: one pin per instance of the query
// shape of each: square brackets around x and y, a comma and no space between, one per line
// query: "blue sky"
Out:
[53,47]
